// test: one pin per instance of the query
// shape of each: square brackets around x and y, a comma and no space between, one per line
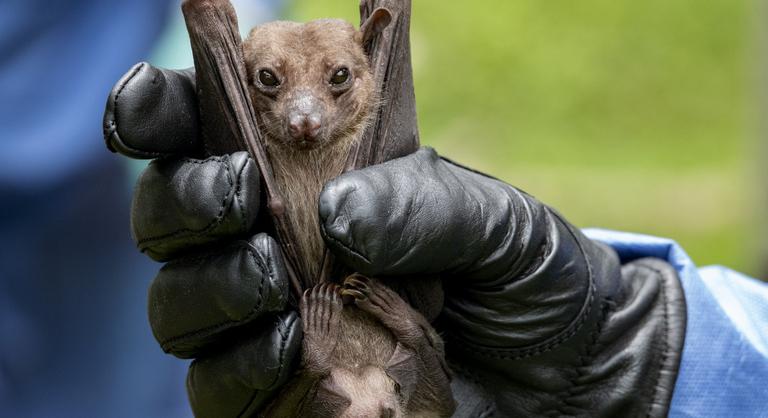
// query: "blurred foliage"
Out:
[622,114]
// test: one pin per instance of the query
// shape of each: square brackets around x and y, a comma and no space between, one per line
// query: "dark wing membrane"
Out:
[394,132]
[228,120]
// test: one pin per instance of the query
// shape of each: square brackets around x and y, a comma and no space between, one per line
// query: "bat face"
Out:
[368,392]
[376,357]
[311,83]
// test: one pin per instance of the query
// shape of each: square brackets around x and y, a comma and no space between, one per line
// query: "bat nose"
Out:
[303,126]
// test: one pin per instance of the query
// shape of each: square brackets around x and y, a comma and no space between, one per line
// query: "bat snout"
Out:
[304,117]
[304,127]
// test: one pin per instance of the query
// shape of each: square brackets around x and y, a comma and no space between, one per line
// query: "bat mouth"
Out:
[306,144]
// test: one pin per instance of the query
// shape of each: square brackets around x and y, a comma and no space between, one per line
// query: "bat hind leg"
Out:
[418,364]
[320,309]
[387,306]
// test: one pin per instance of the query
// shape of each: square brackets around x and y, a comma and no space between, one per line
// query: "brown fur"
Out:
[304,56]
[375,358]
[353,357]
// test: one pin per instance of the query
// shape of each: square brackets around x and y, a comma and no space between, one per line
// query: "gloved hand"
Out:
[221,297]
[538,319]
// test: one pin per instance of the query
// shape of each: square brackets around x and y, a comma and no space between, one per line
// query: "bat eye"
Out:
[340,76]
[387,413]
[268,78]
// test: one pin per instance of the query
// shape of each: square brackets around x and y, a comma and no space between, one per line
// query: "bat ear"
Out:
[375,24]
[333,400]
[402,368]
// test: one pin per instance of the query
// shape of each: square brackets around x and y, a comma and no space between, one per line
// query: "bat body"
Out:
[314,95]
[309,101]
[375,358]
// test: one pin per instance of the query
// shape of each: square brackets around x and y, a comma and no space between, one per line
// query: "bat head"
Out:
[362,393]
[311,84]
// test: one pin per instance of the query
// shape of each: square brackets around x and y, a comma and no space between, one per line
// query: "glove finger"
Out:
[394,218]
[152,112]
[182,204]
[196,301]
[419,214]
[240,381]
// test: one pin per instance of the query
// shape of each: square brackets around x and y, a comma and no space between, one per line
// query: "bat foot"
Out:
[384,304]
[320,309]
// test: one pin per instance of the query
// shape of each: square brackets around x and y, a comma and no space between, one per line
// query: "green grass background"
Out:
[632,115]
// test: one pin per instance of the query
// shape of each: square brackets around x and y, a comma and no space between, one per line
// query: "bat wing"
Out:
[229,122]
[394,132]
[403,368]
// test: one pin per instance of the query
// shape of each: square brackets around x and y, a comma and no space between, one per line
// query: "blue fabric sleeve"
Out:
[724,367]
[58,61]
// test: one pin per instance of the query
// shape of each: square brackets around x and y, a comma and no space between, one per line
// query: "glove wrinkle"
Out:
[170,216]
[238,382]
[152,113]
[547,318]
[286,331]
[620,358]
[244,281]
[506,327]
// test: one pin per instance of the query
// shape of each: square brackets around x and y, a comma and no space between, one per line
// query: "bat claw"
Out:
[354,294]
[357,282]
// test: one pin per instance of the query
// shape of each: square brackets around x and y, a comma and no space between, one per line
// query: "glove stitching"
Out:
[344,246]
[262,267]
[238,195]
[486,412]
[655,398]
[283,344]
[168,343]
[585,360]
[565,335]
[474,378]
[112,130]
[284,334]
[214,223]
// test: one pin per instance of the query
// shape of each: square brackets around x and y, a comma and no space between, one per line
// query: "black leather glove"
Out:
[539,320]
[221,297]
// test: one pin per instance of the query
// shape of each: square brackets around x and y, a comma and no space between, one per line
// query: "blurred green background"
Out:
[631,115]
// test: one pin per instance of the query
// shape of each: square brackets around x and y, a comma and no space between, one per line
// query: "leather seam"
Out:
[552,342]
[281,362]
[281,354]
[586,359]
[215,222]
[665,352]
[343,246]
[474,378]
[238,195]
[212,329]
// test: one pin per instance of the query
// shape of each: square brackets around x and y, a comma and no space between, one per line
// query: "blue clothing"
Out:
[74,338]
[724,367]
[58,61]
[74,335]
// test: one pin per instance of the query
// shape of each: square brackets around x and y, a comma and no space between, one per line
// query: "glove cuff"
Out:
[619,356]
